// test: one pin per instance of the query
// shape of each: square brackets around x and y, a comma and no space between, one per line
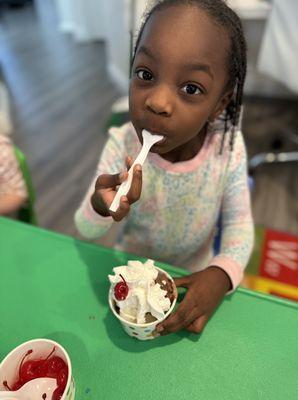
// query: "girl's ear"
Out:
[221,105]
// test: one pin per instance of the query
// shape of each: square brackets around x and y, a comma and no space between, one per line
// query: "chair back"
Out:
[27,212]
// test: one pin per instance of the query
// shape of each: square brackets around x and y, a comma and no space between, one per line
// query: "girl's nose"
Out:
[159,102]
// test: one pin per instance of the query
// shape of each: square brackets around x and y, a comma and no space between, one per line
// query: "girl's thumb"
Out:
[182,282]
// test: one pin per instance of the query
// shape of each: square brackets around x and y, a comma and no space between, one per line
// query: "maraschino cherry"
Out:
[121,290]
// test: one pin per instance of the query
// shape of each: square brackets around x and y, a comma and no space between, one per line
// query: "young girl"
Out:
[188,73]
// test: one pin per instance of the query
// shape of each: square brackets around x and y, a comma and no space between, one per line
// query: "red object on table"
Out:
[280,257]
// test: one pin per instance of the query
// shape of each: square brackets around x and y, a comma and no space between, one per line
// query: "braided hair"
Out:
[225,17]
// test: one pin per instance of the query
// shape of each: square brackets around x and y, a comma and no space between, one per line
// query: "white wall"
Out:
[257,83]
[126,15]
[86,20]
[110,20]
[118,42]
[254,15]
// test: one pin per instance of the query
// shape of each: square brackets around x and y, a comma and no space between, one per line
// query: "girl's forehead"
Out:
[185,31]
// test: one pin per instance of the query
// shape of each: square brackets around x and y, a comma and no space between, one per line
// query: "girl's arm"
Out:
[237,231]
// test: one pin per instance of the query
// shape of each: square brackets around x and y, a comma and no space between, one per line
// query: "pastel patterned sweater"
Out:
[176,217]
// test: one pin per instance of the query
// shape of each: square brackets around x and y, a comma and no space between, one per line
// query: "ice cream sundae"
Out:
[142,293]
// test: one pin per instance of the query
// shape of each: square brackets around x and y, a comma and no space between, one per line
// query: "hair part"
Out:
[226,18]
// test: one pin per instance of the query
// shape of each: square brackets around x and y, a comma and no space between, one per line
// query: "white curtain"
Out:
[110,20]
[278,55]
[85,19]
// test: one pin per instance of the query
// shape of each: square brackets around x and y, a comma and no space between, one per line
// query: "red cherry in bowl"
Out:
[53,365]
[121,290]
[17,385]
[57,394]
[62,378]
[30,370]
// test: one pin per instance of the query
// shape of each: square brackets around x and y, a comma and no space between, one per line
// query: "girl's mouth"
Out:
[160,142]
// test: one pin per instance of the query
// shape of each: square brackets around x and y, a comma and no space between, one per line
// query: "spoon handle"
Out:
[5,395]
[125,186]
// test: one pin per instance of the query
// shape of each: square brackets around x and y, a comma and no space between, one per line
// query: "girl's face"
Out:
[178,79]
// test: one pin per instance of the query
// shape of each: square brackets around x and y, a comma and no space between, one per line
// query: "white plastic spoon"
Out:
[32,390]
[148,141]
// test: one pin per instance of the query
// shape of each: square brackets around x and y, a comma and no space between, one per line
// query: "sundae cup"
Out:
[141,296]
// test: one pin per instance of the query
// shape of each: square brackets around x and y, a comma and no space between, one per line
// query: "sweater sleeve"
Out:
[88,222]
[11,177]
[237,234]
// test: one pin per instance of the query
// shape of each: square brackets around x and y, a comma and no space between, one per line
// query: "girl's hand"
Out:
[106,189]
[205,291]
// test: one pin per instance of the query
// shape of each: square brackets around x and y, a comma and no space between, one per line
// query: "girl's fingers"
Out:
[106,181]
[128,162]
[177,321]
[198,324]
[185,314]
[182,282]
[123,209]
[105,189]
[107,196]
[136,185]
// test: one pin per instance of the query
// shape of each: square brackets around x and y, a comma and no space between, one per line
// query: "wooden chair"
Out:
[27,212]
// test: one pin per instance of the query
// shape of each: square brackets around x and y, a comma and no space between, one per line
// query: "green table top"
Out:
[56,287]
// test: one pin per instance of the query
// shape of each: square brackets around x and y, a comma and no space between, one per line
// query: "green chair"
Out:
[119,113]
[27,212]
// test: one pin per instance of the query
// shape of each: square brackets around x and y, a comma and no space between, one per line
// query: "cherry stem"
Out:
[27,354]
[123,279]
[5,384]
[52,351]
[54,348]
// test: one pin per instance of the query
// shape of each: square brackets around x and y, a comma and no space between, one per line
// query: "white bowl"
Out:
[141,331]
[9,367]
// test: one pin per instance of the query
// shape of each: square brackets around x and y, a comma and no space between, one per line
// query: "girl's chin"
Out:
[160,150]
[155,151]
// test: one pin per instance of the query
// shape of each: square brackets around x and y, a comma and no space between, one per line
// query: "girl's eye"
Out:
[192,89]
[144,75]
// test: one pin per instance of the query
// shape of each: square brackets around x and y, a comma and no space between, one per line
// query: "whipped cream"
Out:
[144,294]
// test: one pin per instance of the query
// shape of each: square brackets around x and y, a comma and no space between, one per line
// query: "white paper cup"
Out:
[141,331]
[9,367]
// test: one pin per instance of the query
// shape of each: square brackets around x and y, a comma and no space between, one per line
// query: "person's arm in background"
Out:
[13,192]
[207,288]
[10,203]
